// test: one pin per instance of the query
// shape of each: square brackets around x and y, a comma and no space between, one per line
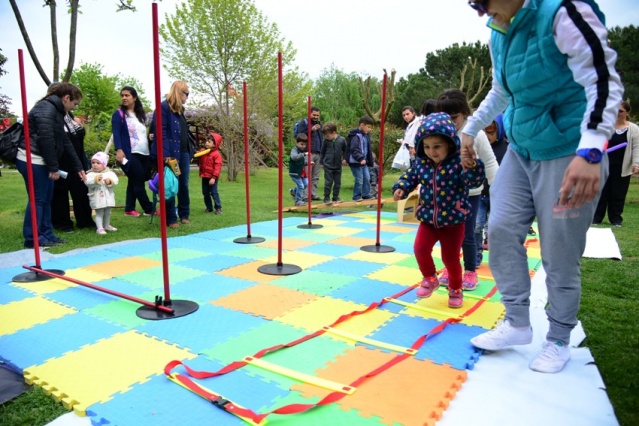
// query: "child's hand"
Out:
[398,194]
[107,181]
[99,178]
[211,181]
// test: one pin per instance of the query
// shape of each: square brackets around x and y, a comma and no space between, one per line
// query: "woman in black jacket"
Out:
[49,142]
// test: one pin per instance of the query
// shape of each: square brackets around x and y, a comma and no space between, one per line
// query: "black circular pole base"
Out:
[249,240]
[310,225]
[377,248]
[279,269]
[32,277]
[180,308]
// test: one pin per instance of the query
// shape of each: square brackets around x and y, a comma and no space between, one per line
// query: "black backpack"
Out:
[10,140]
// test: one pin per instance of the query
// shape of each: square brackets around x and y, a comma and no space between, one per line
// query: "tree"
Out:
[368,96]
[413,90]
[74,6]
[466,67]
[215,45]
[5,101]
[338,95]
[624,41]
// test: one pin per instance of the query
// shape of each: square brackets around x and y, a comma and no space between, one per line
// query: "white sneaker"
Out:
[101,231]
[501,336]
[552,358]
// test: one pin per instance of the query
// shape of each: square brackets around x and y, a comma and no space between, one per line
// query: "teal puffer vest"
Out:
[546,106]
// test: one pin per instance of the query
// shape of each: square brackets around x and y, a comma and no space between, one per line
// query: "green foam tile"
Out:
[121,312]
[176,255]
[253,252]
[154,277]
[315,282]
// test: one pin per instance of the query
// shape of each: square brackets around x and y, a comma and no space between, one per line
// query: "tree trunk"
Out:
[27,41]
[54,40]
[72,36]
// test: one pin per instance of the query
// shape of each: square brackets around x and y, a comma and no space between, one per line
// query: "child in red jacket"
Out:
[210,169]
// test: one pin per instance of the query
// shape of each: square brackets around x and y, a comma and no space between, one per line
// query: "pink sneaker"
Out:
[132,213]
[428,286]
[455,299]
[443,278]
[469,281]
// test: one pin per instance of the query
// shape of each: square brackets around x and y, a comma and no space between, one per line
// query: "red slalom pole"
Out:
[279,268]
[248,239]
[309,169]
[378,248]
[27,142]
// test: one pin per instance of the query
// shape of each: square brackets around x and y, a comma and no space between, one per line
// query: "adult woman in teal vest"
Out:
[555,81]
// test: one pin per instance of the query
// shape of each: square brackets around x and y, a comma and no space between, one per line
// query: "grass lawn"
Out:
[609,300]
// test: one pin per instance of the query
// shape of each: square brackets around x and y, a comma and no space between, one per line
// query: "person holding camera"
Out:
[316,147]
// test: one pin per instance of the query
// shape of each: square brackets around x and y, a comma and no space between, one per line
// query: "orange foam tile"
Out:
[431,387]
[265,300]
[398,229]
[248,271]
[352,241]
[113,268]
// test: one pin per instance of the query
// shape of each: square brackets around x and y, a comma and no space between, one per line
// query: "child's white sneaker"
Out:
[501,336]
[552,358]
[110,228]
[101,231]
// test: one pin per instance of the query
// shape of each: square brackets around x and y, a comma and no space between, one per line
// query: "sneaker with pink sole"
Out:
[469,281]
[455,298]
[132,213]
[428,286]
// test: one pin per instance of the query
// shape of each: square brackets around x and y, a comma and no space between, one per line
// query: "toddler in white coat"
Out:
[101,180]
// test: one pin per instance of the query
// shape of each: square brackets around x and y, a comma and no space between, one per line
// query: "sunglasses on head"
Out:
[479,6]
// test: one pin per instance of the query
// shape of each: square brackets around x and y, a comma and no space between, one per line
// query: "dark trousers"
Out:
[469,248]
[332,181]
[135,170]
[613,196]
[60,214]
[210,191]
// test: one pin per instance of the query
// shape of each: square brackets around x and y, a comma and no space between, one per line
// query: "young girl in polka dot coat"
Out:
[443,201]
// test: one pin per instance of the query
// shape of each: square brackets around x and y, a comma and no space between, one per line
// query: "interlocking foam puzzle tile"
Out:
[385,258]
[158,401]
[303,260]
[310,235]
[452,346]
[136,248]
[153,278]
[252,252]
[315,282]
[385,395]
[265,300]
[115,363]
[7,274]
[363,325]
[208,242]
[366,291]
[12,293]
[353,241]
[202,329]
[329,249]
[86,275]
[212,262]
[319,313]
[249,271]
[398,228]
[251,341]
[80,297]
[76,260]
[122,266]
[44,287]
[354,268]
[397,275]
[176,254]
[338,231]
[121,312]
[207,288]
[53,338]
[29,312]
[287,244]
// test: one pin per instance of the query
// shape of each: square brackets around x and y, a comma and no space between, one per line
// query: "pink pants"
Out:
[450,239]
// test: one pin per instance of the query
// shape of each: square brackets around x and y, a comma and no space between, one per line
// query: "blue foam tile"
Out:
[158,401]
[213,262]
[355,268]
[35,345]
[81,297]
[366,291]
[208,288]
[328,249]
[252,252]
[202,329]
[451,346]
[9,293]
[205,245]
[7,274]
[138,248]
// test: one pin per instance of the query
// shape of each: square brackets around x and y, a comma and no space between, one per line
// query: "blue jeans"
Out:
[300,185]
[184,202]
[211,191]
[480,222]
[362,185]
[469,248]
[43,188]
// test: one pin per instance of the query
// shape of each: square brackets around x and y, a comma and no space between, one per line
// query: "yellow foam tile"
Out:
[248,271]
[353,241]
[28,312]
[319,313]
[87,275]
[398,229]
[533,252]
[45,287]
[364,324]
[123,266]
[287,244]
[329,222]
[385,258]
[341,232]
[95,372]
[303,260]
[397,275]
